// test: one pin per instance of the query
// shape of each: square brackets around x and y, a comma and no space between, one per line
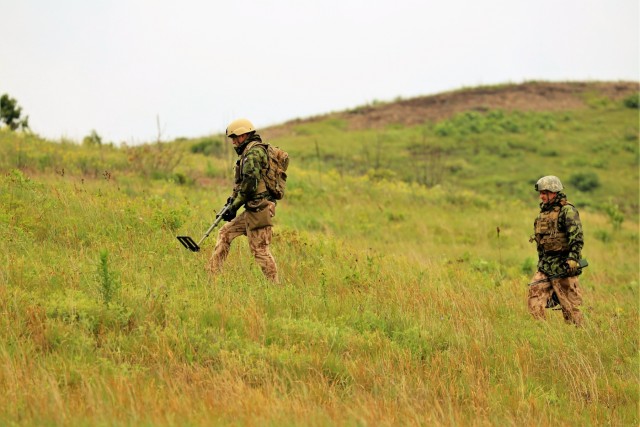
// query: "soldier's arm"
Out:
[251,175]
[573,227]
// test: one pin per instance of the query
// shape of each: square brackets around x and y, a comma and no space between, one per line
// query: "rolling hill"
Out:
[541,96]
[402,245]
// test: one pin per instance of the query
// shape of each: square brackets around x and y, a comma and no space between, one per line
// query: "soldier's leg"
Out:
[539,294]
[228,232]
[259,241]
[570,297]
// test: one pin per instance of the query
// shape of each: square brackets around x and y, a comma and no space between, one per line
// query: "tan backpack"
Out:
[275,177]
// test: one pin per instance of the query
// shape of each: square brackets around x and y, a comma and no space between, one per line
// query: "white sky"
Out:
[117,65]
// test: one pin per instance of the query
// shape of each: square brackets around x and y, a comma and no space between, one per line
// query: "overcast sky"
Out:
[116,66]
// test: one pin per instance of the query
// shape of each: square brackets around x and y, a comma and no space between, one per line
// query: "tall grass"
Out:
[400,304]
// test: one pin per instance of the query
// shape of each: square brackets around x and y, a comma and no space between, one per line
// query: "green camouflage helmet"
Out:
[549,183]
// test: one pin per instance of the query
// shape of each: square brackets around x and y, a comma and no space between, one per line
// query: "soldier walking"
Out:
[559,239]
[249,191]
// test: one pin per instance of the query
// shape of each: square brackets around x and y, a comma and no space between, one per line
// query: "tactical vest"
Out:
[548,234]
[262,187]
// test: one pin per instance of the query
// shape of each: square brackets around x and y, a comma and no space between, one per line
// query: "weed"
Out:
[529,266]
[615,216]
[108,282]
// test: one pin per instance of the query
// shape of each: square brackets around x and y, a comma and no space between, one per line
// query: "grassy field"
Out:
[404,260]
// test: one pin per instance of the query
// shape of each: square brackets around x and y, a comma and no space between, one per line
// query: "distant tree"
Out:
[10,114]
[92,139]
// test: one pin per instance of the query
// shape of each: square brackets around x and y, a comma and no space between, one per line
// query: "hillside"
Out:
[529,96]
[497,139]
[404,257]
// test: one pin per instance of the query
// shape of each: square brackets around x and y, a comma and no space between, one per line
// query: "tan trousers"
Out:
[259,241]
[568,292]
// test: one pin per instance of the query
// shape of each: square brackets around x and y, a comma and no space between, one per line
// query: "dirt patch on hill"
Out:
[530,96]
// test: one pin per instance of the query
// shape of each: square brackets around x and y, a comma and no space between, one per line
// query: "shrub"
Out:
[616,218]
[208,147]
[585,181]
[445,128]
[603,235]
[494,121]
[632,101]
[91,140]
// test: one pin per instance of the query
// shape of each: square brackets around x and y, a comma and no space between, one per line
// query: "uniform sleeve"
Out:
[254,161]
[573,227]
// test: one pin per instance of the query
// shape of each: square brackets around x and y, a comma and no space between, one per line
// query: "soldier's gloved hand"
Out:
[229,214]
[572,265]
[229,200]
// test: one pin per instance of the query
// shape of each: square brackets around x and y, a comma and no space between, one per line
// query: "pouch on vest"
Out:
[260,213]
[548,234]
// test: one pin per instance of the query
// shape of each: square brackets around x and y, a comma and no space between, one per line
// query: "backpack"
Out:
[275,176]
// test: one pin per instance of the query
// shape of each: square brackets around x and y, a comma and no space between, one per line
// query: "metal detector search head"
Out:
[188,243]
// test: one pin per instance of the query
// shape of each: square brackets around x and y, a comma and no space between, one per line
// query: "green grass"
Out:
[498,152]
[400,303]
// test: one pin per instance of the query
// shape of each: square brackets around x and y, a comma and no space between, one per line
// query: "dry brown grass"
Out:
[529,96]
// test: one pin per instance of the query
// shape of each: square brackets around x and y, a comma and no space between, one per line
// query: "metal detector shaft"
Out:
[190,244]
[215,223]
[581,264]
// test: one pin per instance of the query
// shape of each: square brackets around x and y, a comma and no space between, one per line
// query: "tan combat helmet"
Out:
[549,183]
[239,127]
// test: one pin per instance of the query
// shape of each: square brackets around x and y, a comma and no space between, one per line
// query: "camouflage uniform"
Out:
[558,235]
[255,221]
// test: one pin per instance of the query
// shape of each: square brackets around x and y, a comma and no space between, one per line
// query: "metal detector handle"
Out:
[582,263]
[215,223]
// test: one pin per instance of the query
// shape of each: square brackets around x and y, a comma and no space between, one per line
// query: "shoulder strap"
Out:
[250,146]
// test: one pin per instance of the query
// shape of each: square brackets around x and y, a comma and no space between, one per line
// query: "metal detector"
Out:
[581,264]
[190,244]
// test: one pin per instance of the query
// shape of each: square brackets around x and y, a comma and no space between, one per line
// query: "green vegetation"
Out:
[10,114]
[632,101]
[404,256]
[504,153]
[92,139]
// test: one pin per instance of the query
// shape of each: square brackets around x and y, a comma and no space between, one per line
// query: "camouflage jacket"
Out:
[248,182]
[558,235]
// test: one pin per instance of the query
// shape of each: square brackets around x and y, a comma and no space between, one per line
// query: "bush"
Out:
[585,181]
[616,218]
[208,147]
[603,235]
[92,140]
[494,121]
[632,101]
